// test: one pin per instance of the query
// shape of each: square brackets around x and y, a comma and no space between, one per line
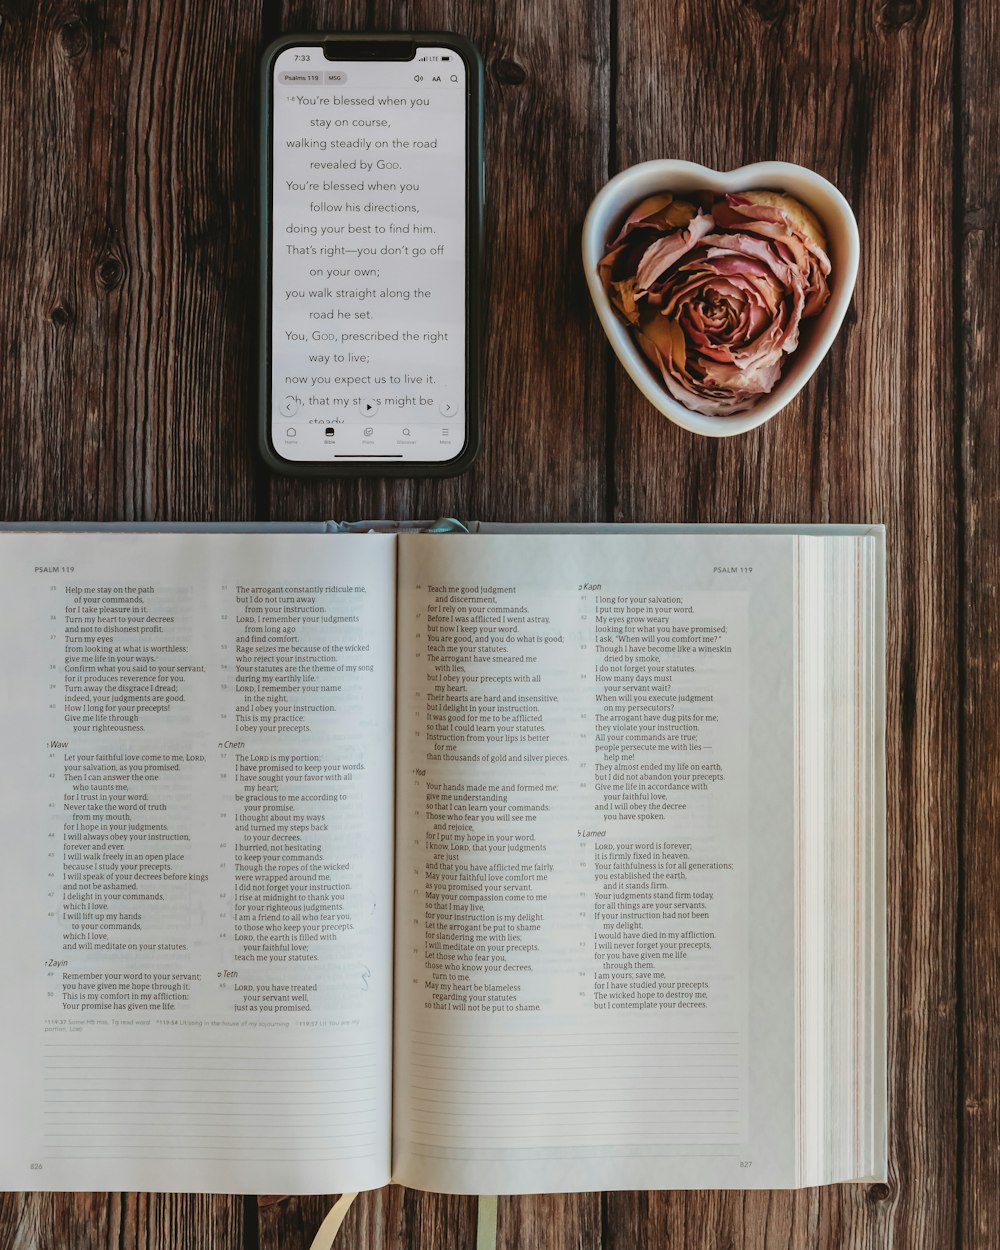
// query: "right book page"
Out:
[840,822]
[596,863]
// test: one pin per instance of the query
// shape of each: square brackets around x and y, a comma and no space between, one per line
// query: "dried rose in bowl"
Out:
[715,291]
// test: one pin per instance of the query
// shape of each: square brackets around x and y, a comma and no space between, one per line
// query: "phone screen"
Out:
[368,257]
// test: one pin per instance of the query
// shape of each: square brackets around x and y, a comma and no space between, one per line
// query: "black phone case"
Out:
[474,197]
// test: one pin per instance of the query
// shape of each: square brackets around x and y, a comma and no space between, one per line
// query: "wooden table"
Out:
[128,287]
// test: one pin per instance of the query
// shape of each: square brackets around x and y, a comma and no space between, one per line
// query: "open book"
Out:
[513,861]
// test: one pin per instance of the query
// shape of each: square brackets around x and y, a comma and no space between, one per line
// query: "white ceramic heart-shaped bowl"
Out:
[625,190]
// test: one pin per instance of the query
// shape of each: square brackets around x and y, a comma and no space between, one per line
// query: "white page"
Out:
[195,906]
[595,859]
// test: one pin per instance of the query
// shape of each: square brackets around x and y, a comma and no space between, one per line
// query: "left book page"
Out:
[196,839]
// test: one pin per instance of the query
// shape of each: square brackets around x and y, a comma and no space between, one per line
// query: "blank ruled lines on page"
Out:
[594,967]
[198,861]
[209,1103]
[656,1093]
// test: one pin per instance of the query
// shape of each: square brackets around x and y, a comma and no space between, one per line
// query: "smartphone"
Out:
[371,212]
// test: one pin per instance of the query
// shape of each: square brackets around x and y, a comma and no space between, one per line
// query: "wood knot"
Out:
[510,73]
[976,220]
[878,1193]
[110,273]
[74,37]
[895,14]
[61,315]
[768,10]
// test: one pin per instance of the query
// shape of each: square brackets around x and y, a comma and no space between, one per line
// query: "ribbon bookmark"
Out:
[330,1227]
[486,1225]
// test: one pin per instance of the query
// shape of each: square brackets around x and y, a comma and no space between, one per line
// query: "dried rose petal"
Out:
[656,212]
[669,249]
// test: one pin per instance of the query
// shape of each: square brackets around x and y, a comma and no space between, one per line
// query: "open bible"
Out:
[531,859]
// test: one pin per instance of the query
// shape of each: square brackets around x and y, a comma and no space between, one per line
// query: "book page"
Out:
[196,896]
[595,864]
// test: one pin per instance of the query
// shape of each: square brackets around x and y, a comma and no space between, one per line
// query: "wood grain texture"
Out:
[121,1221]
[127,391]
[127,254]
[555,1221]
[977,250]
[386,1218]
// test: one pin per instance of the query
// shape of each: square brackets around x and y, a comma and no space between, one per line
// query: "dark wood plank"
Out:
[121,1222]
[773,1221]
[380,1220]
[552,1221]
[978,242]
[547,93]
[396,1217]
[128,371]
[162,1221]
[127,304]
[48,1221]
[862,94]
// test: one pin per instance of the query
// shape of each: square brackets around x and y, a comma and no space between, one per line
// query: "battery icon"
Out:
[446,58]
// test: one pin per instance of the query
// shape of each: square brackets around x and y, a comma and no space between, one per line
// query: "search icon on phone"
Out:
[454,78]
